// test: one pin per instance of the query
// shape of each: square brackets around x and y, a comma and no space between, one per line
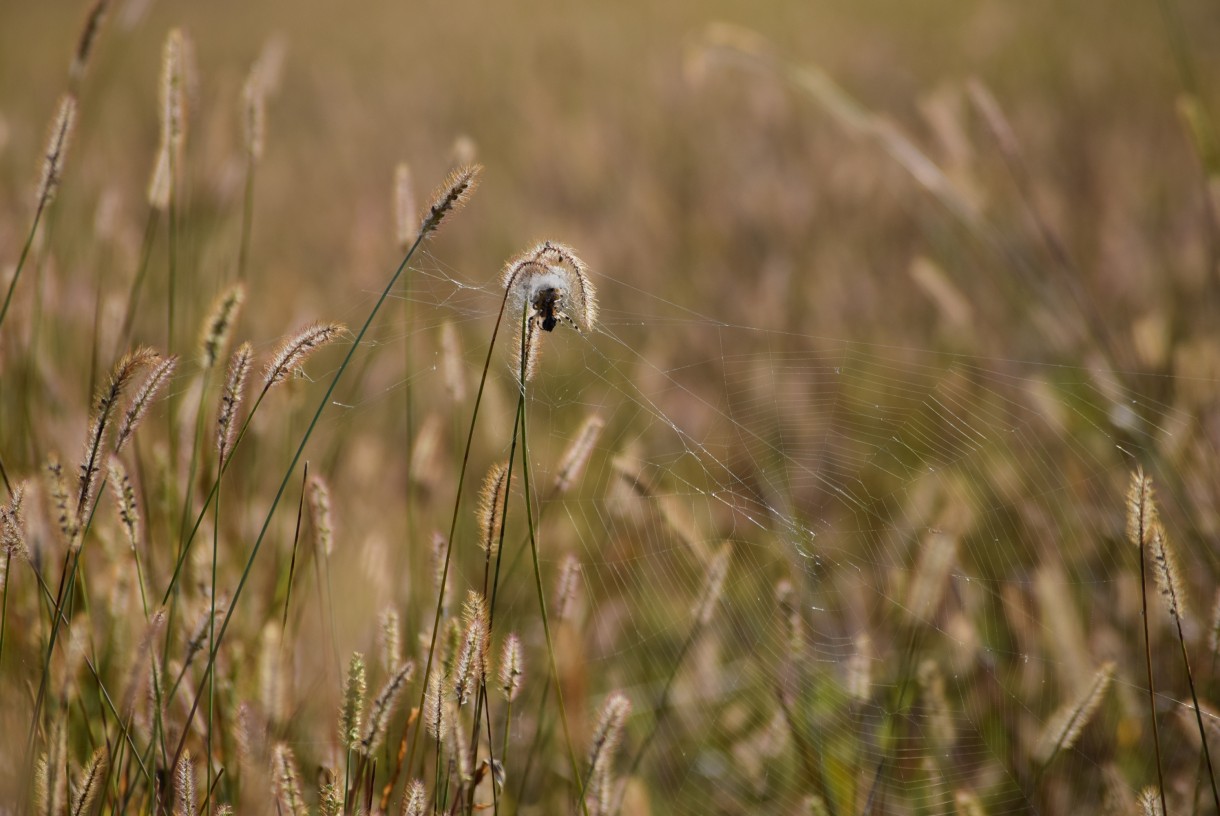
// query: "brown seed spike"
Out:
[57,150]
[221,318]
[294,351]
[491,508]
[1141,509]
[451,196]
[88,36]
[230,401]
[143,400]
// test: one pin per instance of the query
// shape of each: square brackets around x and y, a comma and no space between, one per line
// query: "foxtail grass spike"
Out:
[219,324]
[320,516]
[451,196]
[184,786]
[391,639]
[351,715]
[293,352]
[382,708]
[125,501]
[285,782]
[577,454]
[56,153]
[406,223]
[491,507]
[415,802]
[142,400]
[230,401]
[1064,727]
[89,784]
[511,669]
[566,588]
[713,585]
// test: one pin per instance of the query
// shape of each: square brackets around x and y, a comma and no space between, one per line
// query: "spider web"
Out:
[950,527]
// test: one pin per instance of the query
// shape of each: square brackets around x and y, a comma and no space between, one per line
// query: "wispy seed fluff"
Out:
[491,507]
[546,284]
[184,786]
[566,587]
[383,706]
[173,90]
[230,401]
[103,414]
[219,324]
[471,667]
[451,196]
[254,113]
[511,667]
[57,150]
[405,217]
[285,782]
[1165,568]
[320,516]
[713,585]
[1141,509]
[606,737]
[293,352]
[143,399]
[89,783]
[1150,802]
[125,500]
[577,454]
[12,524]
[1066,724]
[351,715]
[416,799]
[391,639]
[436,719]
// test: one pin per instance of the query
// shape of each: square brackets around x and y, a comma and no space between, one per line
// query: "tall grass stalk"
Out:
[429,224]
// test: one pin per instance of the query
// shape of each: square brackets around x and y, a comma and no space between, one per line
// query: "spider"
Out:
[548,305]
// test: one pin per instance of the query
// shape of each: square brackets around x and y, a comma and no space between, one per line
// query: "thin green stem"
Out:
[25,253]
[296,458]
[529,520]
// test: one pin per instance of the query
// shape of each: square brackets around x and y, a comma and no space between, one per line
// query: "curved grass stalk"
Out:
[296,458]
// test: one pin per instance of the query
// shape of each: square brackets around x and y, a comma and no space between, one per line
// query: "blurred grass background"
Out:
[747,249]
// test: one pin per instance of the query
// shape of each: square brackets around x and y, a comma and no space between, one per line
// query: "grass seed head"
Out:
[320,516]
[415,802]
[57,150]
[351,715]
[406,218]
[230,401]
[451,196]
[382,708]
[293,352]
[145,396]
[491,508]
[511,667]
[184,786]
[219,324]
[576,455]
[1064,727]
[89,783]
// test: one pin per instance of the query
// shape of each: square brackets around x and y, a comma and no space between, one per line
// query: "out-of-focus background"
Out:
[894,298]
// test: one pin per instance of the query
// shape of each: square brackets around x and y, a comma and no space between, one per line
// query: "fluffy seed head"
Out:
[88,36]
[12,524]
[566,587]
[1165,568]
[491,508]
[320,515]
[219,324]
[173,90]
[405,217]
[436,718]
[351,715]
[125,500]
[451,196]
[105,405]
[89,783]
[143,399]
[285,786]
[606,736]
[65,516]
[292,354]
[230,401]
[416,799]
[57,149]
[577,454]
[254,114]
[1065,725]
[184,786]
[511,668]
[470,671]
[1141,509]
[551,281]
[383,706]
[391,639]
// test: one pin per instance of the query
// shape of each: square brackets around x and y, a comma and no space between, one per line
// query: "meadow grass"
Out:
[834,541]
